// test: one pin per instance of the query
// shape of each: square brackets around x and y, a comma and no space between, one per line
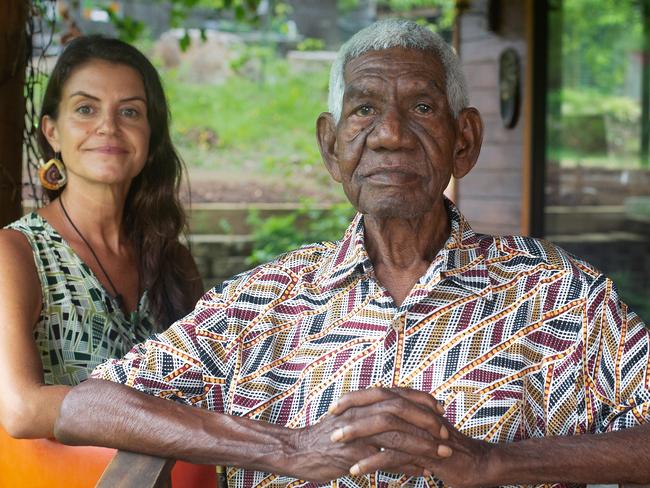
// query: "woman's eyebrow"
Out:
[81,93]
[84,94]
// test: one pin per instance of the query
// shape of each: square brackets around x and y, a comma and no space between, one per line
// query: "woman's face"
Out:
[101,131]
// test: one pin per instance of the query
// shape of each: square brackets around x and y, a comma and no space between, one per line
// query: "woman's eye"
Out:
[85,110]
[129,112]
[423,108]
[363,111]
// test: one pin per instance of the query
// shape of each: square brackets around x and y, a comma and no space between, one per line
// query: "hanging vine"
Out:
[39,32]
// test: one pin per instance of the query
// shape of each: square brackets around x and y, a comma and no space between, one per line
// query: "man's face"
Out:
[395,143]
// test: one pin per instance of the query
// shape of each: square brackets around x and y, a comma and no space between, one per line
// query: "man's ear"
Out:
[51,133]
[468,142]
[326,133]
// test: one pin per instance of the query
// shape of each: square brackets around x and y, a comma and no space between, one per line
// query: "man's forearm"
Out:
[616,457]
[111,415]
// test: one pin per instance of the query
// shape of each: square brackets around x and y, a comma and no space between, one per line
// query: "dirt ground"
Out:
[208,186]
[215,187]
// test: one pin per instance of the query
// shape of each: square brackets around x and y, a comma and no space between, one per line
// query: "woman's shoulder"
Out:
[26,243]
[31,225]
[16,258]
[14,242]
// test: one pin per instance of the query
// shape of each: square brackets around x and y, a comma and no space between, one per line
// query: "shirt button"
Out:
[398,324]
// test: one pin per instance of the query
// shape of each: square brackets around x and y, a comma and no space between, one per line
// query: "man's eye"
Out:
[363,111]
[85,110]
[423,108]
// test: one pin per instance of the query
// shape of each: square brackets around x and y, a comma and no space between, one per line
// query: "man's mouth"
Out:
[391,176]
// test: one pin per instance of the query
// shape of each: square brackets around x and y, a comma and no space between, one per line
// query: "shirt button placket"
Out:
[398,322]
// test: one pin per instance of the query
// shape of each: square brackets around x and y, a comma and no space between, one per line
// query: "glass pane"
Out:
[598,170]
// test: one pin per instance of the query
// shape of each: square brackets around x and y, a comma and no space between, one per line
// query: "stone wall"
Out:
[219,257]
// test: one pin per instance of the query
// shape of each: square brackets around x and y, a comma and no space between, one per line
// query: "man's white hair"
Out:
[391,33]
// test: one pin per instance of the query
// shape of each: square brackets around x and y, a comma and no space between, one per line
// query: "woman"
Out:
[100,267]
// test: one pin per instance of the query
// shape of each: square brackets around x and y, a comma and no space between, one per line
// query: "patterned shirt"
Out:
[518,338]
[80,324]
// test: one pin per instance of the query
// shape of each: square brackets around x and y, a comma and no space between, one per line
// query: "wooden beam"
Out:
[13,57]
[526,170]
[131,470]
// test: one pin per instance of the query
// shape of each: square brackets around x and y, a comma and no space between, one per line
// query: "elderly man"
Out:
[412,351]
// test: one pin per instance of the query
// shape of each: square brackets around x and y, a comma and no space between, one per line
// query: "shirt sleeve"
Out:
[617,362]
[175,363]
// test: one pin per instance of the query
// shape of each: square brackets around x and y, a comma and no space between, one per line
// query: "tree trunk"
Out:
[13,18]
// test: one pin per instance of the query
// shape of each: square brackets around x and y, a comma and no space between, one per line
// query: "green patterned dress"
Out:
[80,325]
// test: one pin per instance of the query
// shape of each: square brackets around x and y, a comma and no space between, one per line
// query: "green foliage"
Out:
[447,9]
[597,36]
[128,29]
[131,30]
[593,123]
[633,293]
[271,122]
[243,10]
[264,53]
[311,44]
[278,234]
[590,101]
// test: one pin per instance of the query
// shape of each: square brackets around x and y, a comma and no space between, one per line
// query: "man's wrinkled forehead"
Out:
[421,68]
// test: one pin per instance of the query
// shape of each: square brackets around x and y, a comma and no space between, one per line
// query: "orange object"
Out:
[46,463]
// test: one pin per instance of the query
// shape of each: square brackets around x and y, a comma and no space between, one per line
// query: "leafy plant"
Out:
[276,235]
[311,44]
[446,9]
[128,29]
[633,293]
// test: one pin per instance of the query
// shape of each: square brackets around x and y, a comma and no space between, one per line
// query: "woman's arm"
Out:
[28,407]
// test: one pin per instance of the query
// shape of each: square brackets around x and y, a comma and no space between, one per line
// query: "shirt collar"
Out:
[463,257]
[460,260]
[349,256]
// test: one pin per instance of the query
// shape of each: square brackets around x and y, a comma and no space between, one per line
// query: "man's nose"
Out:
[391,132]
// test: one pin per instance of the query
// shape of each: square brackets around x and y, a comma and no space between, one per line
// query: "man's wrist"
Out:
[284,457]
[493,465]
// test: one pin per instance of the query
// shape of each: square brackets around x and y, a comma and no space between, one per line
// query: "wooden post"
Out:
[13,57]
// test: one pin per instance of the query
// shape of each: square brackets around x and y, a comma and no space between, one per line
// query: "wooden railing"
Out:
[131,470]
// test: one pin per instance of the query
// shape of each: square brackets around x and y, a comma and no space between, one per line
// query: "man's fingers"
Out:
[420,397]
[395,414]
[372,396]
[412,445]
[389,461]
[403,439]
[427,427]
[360,398]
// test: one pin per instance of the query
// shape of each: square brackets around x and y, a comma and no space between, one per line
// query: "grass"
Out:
[568,158]
[246,124]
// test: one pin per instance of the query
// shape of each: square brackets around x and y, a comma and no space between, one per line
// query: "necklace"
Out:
[117,296]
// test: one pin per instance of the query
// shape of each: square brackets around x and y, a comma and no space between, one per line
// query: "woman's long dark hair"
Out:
[153,215]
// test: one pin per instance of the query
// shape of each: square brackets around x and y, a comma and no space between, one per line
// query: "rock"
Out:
[204,61]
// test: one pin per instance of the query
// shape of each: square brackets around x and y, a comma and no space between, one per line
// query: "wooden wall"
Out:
[494,195]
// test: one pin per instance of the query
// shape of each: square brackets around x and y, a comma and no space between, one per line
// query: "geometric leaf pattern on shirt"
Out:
[517,337]
[80,325]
